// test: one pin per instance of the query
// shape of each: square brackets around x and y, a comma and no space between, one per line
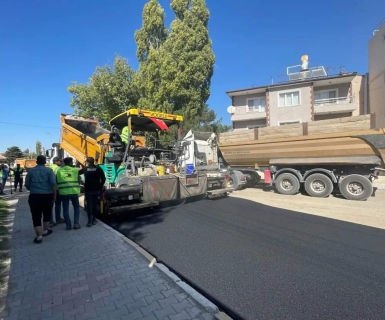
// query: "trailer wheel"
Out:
[318,185]
[234,181]
[356,187]
[287,183]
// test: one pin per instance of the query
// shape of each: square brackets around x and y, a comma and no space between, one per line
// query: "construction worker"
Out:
[57,163]
[124,134]
[67,178]
[94,180]
[3,177]
[18,172]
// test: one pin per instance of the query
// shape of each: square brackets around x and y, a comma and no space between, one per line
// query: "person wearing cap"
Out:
[94,180]
[41,183]
[57,163]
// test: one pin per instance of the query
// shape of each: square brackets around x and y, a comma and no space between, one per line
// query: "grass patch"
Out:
[4,238]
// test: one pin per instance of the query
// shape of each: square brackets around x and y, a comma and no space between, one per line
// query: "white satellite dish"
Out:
[231,109]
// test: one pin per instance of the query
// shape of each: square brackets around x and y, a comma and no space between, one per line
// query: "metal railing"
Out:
[339,100]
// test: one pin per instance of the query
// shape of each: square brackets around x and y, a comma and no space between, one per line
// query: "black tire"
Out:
[287,184]
[318,185]
[356,187]
[234,181]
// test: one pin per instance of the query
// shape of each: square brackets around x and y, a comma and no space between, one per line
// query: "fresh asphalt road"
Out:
[261,262]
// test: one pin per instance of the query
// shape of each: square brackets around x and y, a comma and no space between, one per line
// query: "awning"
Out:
[160,123]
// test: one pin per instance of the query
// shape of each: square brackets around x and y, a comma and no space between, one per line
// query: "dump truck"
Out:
[141,171]
[26,163]
[340,155]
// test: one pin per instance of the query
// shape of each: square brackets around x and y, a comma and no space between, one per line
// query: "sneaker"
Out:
[77,226]
[94,222]
[61,221]
[53,224]
[49,231]
[20,190]
[89,224]
[38,241]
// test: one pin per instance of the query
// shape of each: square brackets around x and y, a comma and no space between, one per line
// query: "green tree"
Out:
[189,61]
[13,153]
[149,40]
[110,91]
[38,148]
[153,32]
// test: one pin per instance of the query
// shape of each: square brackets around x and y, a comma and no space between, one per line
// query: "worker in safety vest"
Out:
[67,178]
[18,172]
[57,163]
[3,177]
[124,134]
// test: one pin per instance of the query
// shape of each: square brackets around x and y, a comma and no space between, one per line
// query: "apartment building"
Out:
[377,75]
[310,94]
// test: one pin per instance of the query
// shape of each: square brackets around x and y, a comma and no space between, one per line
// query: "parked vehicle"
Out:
[321,157]
[26,163]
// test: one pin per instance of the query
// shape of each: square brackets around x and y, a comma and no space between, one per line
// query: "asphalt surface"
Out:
[261,262]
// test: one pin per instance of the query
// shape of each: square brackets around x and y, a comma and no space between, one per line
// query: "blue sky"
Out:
[45,44]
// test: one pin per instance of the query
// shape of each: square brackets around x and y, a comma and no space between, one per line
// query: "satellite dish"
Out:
[231,109]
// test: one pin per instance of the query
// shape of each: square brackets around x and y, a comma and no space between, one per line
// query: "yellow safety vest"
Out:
[124,134]
[54,168]
[67,180]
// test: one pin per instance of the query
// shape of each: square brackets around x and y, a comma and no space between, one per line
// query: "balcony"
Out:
[335,105]
[242,114]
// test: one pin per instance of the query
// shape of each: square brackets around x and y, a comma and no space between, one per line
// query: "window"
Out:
[325,97]
[289,99]
[288,122]
[256,104]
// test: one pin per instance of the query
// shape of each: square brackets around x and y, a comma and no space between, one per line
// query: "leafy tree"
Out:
[12,153]
[38,148]
[149,40]
[110,91]
[153,32]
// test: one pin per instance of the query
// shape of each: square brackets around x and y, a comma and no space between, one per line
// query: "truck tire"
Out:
[318,185]
[234,181]
[356,187]
[287,184]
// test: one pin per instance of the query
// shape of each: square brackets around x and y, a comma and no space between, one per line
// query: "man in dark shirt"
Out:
[18,172]
[94,180]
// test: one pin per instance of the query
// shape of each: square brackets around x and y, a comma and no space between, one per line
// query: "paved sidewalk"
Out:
[90,273]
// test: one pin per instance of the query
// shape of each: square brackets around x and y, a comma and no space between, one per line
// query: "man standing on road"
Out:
[18,172]
[57,163]
[40,181]
[4,177]
[94,180]
[67,178]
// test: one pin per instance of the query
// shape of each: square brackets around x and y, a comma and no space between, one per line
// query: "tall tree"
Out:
[110,91]
[12,153]
[38,148]
[149,39]
[153,32]
[188,61]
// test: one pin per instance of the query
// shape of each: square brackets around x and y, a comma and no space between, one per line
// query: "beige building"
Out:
[377,75]
[309,95]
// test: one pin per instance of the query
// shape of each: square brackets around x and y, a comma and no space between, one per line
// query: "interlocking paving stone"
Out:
[91,273]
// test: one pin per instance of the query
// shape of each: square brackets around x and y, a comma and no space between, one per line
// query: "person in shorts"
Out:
[41,183]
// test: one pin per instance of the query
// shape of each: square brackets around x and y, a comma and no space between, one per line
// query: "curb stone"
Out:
[195,295]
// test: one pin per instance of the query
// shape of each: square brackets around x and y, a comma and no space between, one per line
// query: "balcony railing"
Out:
[340,100]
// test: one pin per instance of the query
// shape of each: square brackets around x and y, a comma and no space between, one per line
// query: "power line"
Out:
[28,125]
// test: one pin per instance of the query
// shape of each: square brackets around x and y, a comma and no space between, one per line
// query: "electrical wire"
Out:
[28,125]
